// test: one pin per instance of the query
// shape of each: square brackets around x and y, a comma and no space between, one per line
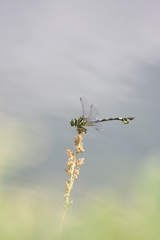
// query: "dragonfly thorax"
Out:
[78,122]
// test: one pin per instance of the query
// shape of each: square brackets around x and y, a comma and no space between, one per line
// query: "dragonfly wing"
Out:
[85,107]
[94,112]
[93,117]
[99,126]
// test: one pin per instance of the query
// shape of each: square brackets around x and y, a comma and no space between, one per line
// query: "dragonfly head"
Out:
[72,122]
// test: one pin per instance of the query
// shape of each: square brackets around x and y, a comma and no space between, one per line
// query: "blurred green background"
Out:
[34,214]
[51,54]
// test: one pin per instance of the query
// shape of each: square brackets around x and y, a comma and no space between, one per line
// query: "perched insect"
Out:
[90,118]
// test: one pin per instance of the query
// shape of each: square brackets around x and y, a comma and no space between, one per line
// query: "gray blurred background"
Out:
[51,54]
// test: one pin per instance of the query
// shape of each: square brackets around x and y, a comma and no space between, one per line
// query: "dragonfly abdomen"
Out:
[124,120]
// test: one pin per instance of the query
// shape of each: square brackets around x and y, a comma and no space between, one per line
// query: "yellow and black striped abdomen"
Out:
[124,120]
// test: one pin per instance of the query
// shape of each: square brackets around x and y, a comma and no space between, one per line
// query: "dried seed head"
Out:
[76,171]
[78,143]
[73,166]
[80,161]
[67,187]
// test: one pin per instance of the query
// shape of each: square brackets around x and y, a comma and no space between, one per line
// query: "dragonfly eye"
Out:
[72,122]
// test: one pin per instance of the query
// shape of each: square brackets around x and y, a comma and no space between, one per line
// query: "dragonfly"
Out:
[90,117]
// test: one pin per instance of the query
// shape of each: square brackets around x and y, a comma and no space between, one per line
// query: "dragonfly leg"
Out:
[81,129]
